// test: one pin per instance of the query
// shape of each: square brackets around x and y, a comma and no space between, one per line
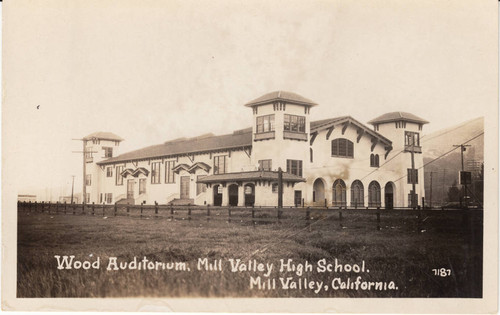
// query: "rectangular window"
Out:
[88,152]
[155,173]
[108,152]
[200,187]
[412,176]
[275,188]
[294,123]
[88,179]
[294,167]
[169,174]
[109,171]
[109,198]
[220,165]
[412,138]
[265,123]
[265,165]
[142,186]
[119,177]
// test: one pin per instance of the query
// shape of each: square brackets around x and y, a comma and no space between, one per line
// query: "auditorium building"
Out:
[335,162]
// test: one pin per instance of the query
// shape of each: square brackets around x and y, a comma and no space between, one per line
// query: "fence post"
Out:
[229,213]
[340,218]
[142,208]
[57,207]
[128,208]
[156,208]
[65,206]
[74,207]
[29,206]
[42,206]
[93,208]
[308,213]
[50,205]
[208,212]
[83,207]
[189,211]
[253,212]
[104,209]
[116,208]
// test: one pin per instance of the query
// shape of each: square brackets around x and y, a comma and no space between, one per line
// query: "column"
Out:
[225,195]
[241,195]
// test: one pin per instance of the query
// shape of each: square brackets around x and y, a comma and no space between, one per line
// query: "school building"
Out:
[335,162]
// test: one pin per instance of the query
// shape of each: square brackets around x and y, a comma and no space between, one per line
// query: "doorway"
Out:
[185,187]
[389,195]
[233,195]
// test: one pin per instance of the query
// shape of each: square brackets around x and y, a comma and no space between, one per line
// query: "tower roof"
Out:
[397,116]
[281,96]
[103,135]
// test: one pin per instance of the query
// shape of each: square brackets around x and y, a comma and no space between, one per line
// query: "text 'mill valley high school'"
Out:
[337,162]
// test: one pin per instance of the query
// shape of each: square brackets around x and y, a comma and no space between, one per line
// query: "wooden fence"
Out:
[342,216]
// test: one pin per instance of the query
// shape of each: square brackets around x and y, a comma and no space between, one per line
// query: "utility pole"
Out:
[413,177]
[84,151]
[280,188]
[72,187]
[431,193]
[464,186]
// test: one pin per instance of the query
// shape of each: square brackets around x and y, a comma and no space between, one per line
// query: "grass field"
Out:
[402,251]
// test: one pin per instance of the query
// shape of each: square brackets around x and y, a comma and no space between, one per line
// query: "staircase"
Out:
[125,201]
[181,202]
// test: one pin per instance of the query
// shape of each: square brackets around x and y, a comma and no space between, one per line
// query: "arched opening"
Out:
[389,192]
[339,193]
[374,194]
[249,195]
[233,195]
[217,195]
[357,194]
[318,190]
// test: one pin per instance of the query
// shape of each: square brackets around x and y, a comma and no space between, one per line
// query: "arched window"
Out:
[374,194]
[374,160]
[339,193]
[342,148]
[357,194]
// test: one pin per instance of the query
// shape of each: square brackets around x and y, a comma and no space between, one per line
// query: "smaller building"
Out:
[26,198]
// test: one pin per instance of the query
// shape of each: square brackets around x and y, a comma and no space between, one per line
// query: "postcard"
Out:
[250,156]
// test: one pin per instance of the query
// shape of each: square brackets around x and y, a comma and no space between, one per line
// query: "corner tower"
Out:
[280,131]
[404,130]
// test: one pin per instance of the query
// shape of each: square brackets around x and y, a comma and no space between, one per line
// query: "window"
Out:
[155,173]
[275,188]
[142,186]
[294,167]
[88,179]
[200,187]
[109,198]
[265,165]
[357,194]
[109,171]
[412,176]
[374,194]
[108,152]
[169,174]
[339,193]
[295,123]
[412,138]
[119,177]
[220,165]
[374,160]
[265,123]
[88,152]
[342,148]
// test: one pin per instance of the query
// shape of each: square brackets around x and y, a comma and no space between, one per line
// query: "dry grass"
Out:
[401,251]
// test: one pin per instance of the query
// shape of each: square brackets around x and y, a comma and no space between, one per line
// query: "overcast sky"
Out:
[151,71]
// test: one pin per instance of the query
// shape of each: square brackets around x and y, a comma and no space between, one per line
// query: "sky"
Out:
[153,71]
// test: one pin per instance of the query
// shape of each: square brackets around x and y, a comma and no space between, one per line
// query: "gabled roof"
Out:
[327,123]
[180,167]
[281,96]
[102,135]
[188,146]
[201,165]
[397,116]
[250,176]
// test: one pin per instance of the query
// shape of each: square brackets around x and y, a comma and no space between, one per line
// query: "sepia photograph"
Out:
[287,156]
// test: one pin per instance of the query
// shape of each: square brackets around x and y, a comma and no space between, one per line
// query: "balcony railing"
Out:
[295,135]
[264,135]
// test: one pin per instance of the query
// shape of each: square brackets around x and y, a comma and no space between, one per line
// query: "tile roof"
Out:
[398,116]
[188,146]
[103,135]
[281,96]
[238,139]
[250,176]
